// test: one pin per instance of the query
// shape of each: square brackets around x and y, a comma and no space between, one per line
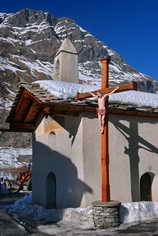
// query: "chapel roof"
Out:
[59,98]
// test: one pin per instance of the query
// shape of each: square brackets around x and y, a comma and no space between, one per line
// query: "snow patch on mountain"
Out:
[5,103]
[33,66]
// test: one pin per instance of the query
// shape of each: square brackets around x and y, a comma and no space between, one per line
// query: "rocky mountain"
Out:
[29,40]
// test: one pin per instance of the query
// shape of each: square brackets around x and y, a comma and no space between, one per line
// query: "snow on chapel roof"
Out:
[44,95]
[65,90]
[135,98]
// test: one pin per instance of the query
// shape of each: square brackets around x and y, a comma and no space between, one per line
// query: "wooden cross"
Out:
[104,137]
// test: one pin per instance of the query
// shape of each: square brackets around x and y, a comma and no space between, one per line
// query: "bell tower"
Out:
[66,62]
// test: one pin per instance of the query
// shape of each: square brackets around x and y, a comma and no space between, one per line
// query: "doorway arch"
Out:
[146,186]
[51,191]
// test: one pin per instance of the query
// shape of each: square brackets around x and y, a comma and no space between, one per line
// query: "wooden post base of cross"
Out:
[104,136]
[105,188]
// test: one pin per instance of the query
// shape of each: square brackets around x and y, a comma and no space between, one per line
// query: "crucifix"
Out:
[104,134]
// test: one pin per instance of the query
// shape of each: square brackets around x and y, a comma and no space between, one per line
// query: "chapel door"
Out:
[51,191]
[145,187]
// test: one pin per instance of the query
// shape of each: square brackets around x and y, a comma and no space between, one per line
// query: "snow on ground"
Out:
[25,209]
[138,211]
[80,217]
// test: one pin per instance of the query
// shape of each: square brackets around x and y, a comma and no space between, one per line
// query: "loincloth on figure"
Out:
[101,111]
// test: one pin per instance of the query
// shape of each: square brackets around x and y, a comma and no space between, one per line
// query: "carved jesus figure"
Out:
[101,107]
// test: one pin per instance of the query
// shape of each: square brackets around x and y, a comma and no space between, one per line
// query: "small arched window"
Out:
[145,186]
[51,191]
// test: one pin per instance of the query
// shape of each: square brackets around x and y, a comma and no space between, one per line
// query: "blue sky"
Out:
[128,26]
